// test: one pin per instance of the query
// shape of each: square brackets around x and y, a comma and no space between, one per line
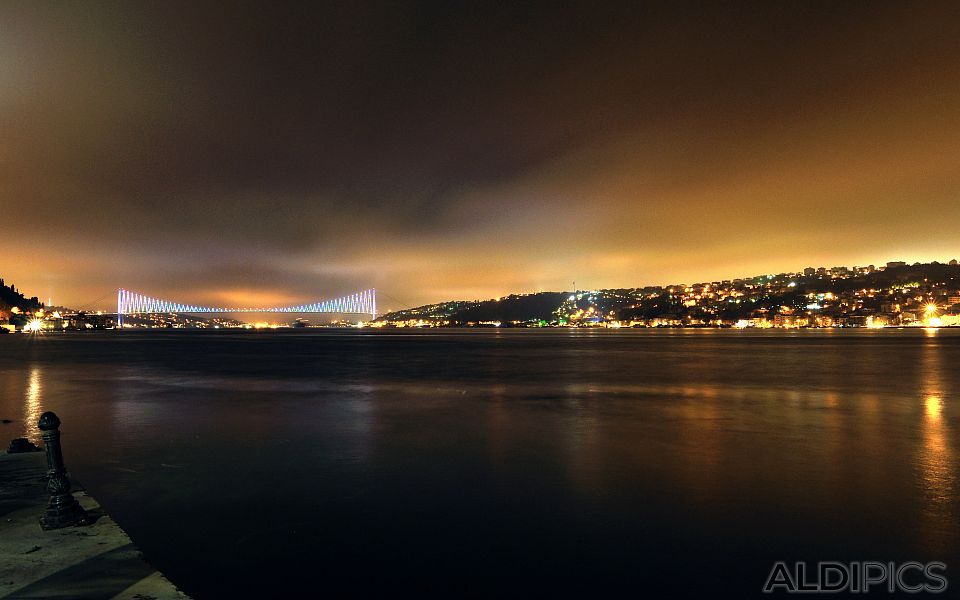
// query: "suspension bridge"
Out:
[133,303]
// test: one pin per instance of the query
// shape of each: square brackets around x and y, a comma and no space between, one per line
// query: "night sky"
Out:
[270,154]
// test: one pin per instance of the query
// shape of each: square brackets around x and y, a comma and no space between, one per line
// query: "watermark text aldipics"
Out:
[857,577]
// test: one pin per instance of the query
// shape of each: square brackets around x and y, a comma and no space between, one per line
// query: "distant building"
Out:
[896,263]
[950,320]
[953,262]
[809,272]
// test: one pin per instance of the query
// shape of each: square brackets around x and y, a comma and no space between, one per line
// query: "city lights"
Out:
[920,295]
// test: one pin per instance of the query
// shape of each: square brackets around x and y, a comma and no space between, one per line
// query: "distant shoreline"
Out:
[284,330]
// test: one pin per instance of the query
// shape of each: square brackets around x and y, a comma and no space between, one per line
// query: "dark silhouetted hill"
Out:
[10,297]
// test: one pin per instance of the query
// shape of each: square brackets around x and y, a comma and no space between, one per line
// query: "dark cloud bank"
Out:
[461,149]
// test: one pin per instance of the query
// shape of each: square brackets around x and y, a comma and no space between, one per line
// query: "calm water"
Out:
[504,463]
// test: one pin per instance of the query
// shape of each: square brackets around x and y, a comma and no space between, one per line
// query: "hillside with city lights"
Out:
[894,295]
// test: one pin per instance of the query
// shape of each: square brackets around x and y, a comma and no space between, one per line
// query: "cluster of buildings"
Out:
[893,295]
[178,321]
[15,319]
[50,319]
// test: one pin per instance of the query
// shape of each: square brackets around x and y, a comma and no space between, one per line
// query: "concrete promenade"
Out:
[91,562]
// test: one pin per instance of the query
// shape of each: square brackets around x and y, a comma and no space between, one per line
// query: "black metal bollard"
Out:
[63,509]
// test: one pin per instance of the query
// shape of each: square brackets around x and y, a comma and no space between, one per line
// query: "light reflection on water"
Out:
[560,454]
[32,404]
[937,466]
[936,461]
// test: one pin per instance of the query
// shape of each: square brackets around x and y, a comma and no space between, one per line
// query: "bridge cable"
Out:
[90,305]
[403,305]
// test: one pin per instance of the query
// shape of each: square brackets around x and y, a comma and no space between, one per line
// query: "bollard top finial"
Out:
[48,421]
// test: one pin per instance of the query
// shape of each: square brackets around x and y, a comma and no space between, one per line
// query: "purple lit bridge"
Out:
[132,303]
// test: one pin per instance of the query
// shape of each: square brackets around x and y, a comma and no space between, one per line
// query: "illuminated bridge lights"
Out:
[131,303]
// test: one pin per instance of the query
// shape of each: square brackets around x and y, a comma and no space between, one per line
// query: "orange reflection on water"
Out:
[934,406]
[32,408]
[936,459]
[936,462]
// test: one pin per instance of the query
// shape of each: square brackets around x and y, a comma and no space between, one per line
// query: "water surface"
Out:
[504,462]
